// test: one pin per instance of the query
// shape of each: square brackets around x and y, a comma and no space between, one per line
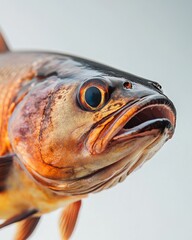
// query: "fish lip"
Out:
[113,131]
[145,126]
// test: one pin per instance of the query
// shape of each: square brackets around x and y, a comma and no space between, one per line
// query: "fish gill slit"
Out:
[42,128]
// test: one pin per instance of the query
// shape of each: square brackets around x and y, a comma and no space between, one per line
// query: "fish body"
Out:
[70,127]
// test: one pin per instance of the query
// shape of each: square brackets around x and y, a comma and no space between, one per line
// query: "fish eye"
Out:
[93,94]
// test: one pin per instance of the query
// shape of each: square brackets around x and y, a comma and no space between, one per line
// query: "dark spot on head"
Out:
[23,131]
[37,105]
[114,106]
[60,96]
[69,170]
[97,116]
[51,149]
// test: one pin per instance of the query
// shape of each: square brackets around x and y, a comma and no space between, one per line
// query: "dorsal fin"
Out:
[3,45]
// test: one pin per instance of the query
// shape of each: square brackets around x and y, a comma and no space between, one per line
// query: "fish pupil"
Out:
[93,96]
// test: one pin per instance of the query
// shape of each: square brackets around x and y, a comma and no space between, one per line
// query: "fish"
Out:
[71,127]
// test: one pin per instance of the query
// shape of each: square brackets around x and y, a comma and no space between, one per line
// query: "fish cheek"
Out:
[62,142]
[25,127]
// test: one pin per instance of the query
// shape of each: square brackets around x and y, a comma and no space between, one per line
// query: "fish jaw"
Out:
[131,159]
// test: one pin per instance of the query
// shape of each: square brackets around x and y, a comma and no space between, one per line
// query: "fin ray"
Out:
[69,219]
[18,218]
[26,228]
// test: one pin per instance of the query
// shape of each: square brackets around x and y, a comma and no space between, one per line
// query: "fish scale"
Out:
[10,80]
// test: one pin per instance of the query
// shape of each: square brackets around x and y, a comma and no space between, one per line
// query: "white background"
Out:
[152,39]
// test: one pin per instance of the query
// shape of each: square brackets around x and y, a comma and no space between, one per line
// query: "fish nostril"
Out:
[157,86]
[127,85]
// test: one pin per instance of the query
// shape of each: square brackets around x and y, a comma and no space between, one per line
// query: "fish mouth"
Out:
[134,120]
[150,117]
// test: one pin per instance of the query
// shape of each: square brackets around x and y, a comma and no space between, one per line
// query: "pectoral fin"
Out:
[6,163]
[18,218]
[69,219]
[3,45]
[26,228]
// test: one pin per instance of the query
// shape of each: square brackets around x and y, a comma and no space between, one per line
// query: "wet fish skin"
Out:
[63,148]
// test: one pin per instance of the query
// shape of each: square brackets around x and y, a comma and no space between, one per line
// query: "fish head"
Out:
[86,129]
